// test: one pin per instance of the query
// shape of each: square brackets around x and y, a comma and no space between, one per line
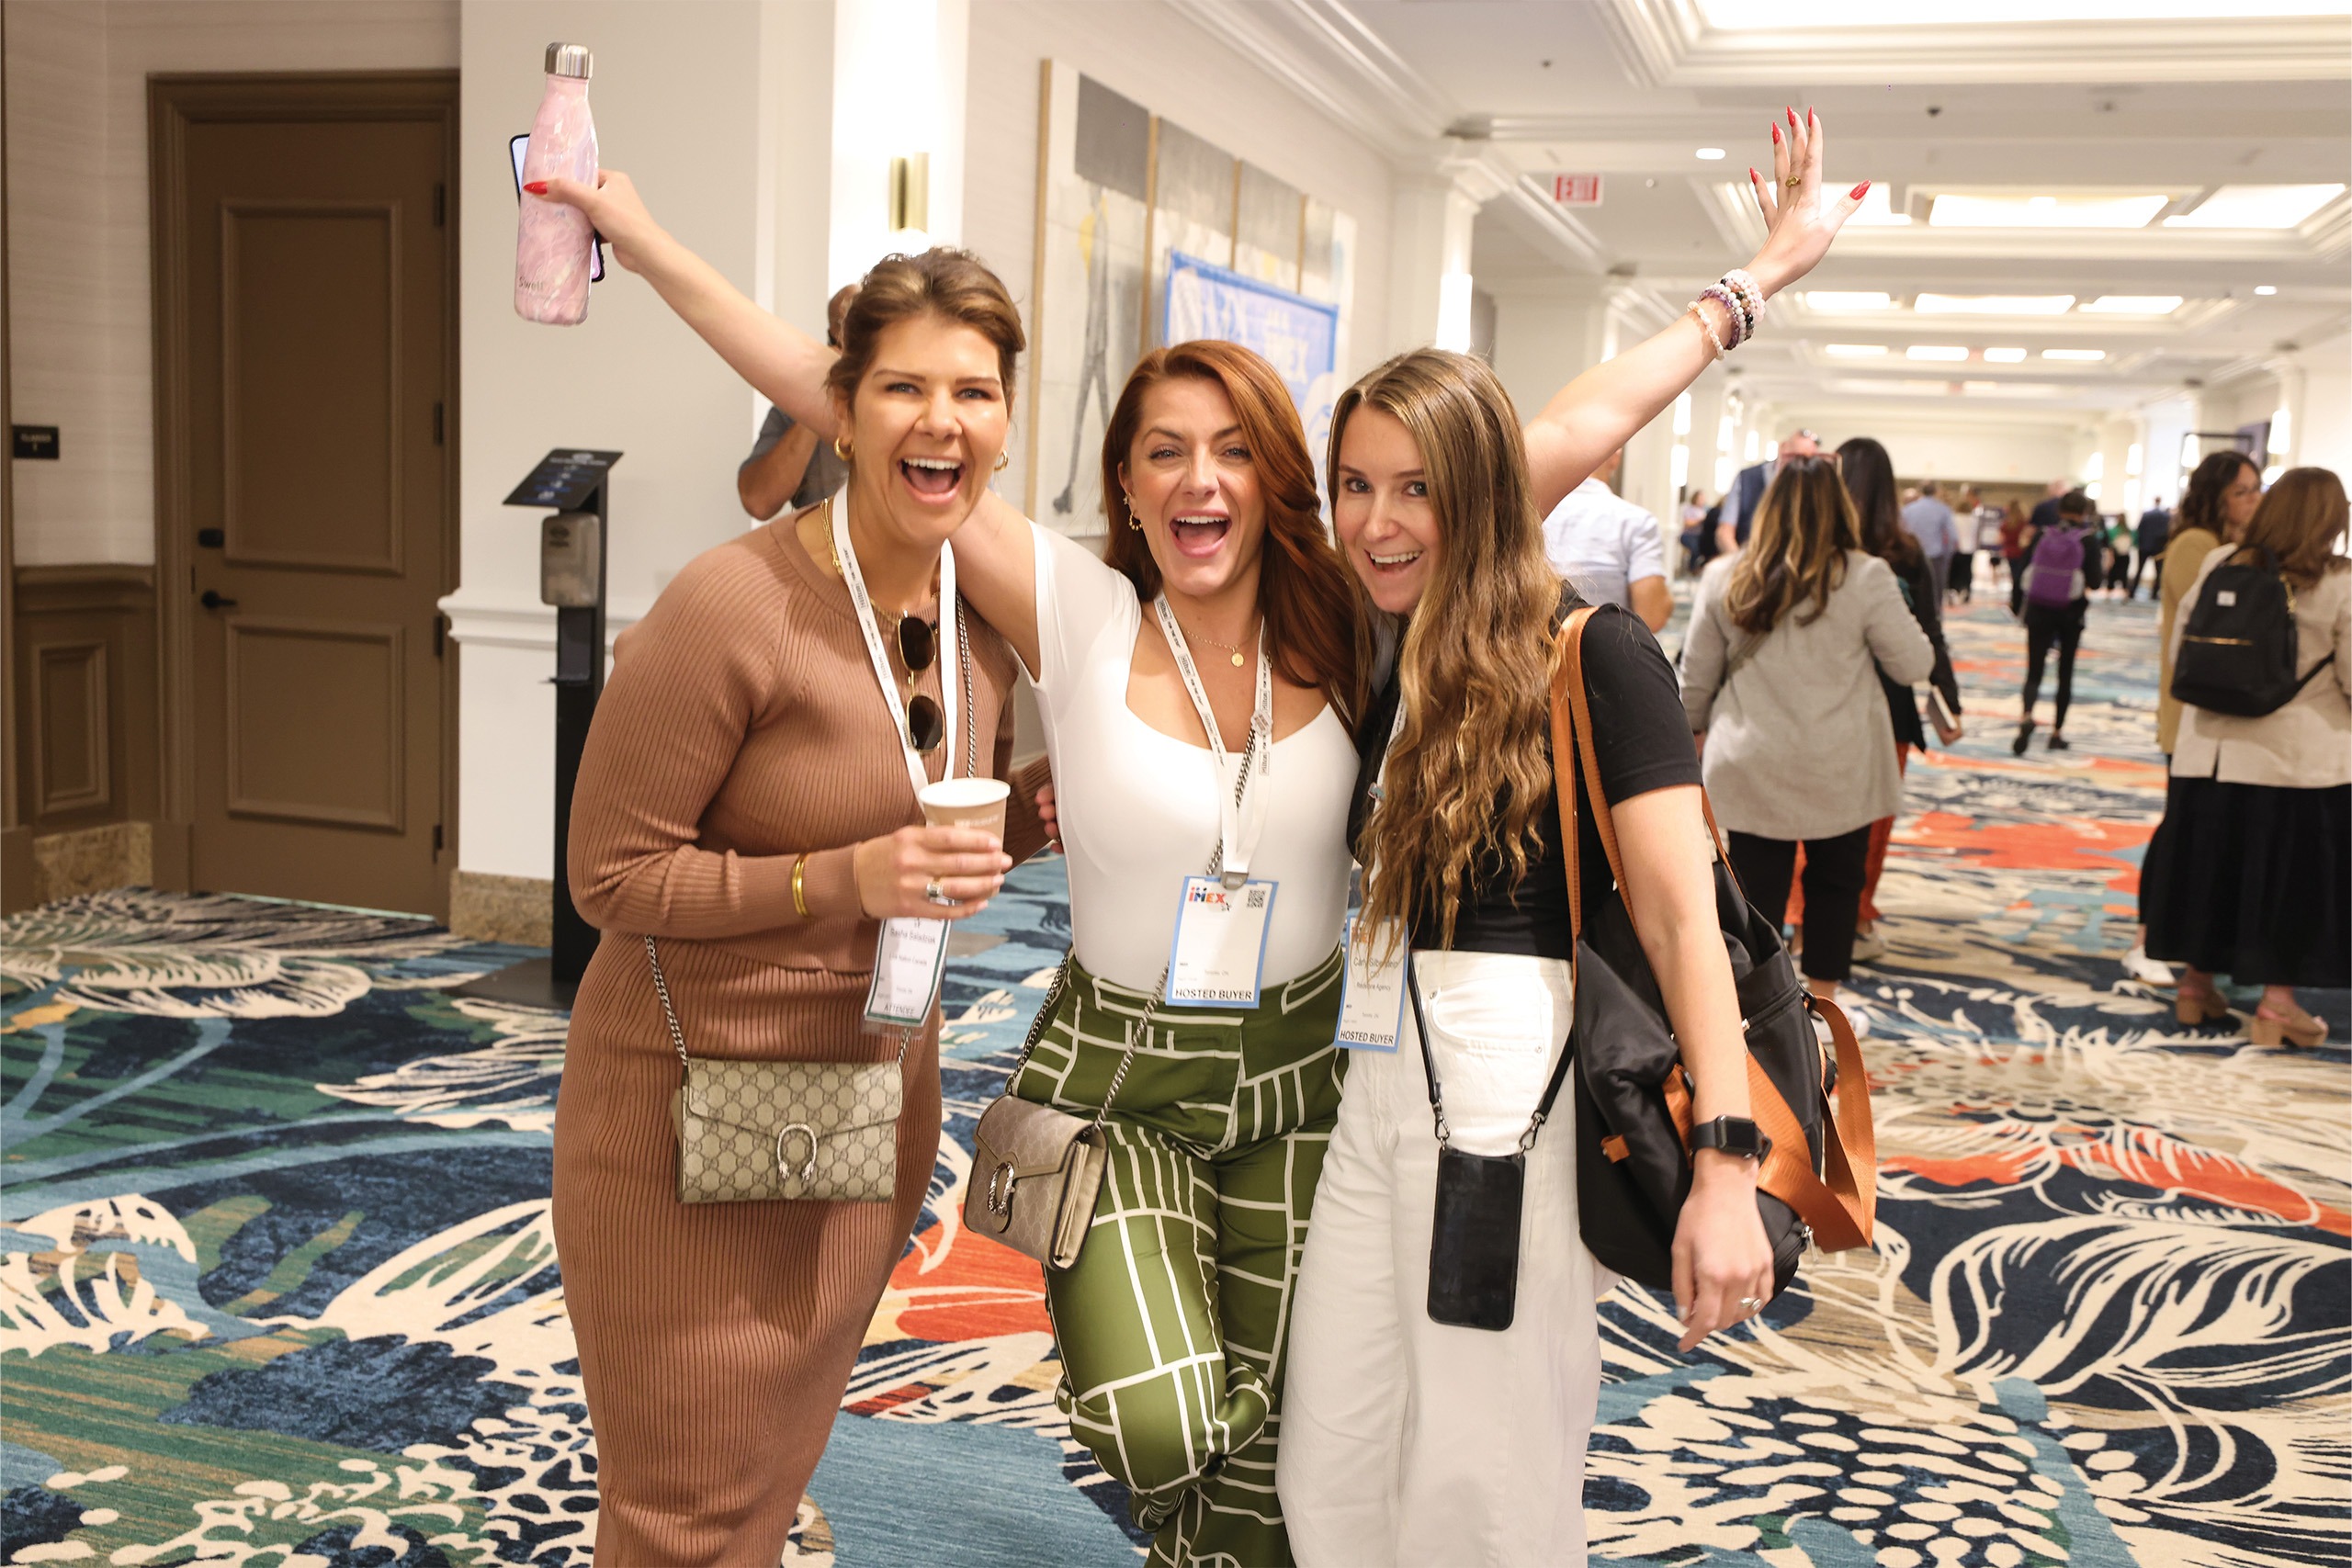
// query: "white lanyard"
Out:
[917,774]
[1240,822]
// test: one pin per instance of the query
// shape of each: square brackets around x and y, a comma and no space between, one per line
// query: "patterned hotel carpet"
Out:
[277,1283]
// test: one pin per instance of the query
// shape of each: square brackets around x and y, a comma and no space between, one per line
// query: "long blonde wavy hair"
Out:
[1471,770]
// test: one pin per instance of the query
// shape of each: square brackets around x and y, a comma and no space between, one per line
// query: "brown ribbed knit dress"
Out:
[741,726]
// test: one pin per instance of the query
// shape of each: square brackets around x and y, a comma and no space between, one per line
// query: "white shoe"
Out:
[2140,966]
[1858,1018]
[1869,946]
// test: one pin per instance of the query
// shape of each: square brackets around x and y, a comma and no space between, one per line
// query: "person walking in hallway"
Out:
[1747,492]
[2052,598]
[1780,683]
[1611,549]
[2250,873]
[1931,523]
[2148,548]
[1869,476]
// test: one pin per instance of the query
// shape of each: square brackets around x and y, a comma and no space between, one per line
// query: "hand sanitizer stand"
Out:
[572,578]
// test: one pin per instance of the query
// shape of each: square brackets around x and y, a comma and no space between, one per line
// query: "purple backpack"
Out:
[2055,578]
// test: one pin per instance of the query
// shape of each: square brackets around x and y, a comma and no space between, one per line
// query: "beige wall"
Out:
[1173,67]
[81,357]
[719,111]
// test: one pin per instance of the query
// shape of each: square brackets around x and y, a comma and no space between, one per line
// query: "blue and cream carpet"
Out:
[276,1284]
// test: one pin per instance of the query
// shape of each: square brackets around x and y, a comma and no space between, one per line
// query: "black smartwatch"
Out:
[1734,1135]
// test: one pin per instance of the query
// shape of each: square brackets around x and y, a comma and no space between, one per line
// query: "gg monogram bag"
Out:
[748,1131]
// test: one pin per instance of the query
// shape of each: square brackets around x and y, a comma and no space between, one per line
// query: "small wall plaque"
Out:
[35,442]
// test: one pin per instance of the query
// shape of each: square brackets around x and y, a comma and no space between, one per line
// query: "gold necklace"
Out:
[1232,651]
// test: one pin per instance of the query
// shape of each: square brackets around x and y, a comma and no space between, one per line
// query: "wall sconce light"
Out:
[911,192]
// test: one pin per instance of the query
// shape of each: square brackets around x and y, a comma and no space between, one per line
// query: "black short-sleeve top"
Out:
[1643,740]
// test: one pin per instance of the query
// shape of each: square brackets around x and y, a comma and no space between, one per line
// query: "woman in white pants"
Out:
[1409,1440]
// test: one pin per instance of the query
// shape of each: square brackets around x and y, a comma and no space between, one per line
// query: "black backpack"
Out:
[2238,652]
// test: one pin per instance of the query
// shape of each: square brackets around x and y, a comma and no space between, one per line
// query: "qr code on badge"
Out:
[1257,900]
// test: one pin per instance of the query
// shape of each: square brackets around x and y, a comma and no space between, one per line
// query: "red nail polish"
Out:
[1752,174]
[1808,115]
[1861,190]
[1776,136]
[536,187]
[1793,117]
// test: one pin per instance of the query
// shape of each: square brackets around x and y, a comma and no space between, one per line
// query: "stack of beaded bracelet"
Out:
[1743,305]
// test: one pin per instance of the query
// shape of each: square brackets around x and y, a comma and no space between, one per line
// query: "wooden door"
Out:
[310,259]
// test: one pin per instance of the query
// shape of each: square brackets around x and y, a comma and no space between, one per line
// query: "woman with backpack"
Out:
[1780,680]
[2250,873]
[2054,597]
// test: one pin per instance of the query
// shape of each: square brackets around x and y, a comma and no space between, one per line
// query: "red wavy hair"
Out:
[1304,588]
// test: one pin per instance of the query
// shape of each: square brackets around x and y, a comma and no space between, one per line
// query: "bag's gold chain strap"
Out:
[1139,1031]
[678,1035]
[971,762]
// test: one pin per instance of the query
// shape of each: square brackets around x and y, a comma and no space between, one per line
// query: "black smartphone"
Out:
[520,145]
[1474,1242]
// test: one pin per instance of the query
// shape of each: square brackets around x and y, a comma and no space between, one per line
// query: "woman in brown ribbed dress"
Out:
[745,798]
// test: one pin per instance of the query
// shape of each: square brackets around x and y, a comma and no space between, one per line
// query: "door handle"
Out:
[213,600]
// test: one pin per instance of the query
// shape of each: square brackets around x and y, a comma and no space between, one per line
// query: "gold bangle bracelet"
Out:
[799,886]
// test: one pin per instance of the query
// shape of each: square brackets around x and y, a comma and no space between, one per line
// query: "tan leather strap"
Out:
[1840,1210]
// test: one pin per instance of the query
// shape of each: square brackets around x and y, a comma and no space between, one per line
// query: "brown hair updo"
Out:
[953,284]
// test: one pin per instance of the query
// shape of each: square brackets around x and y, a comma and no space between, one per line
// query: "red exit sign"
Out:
[1577,190]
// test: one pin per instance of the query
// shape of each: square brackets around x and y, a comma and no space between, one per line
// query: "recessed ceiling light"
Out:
[2265,289]
[1934,351]
[1836,299]
[2256,206]
[2005,356]
[1993,304]
[1710,153]
[1855,350]
[1965,210]
[2134,304]
[2085,354]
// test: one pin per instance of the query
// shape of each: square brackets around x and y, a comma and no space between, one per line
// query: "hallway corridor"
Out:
[277,1274]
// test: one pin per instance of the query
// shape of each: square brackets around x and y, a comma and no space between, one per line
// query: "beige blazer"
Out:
[2306,744]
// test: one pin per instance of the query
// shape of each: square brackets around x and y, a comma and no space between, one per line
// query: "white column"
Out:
[1429,269]
[898,92]
[1546,338]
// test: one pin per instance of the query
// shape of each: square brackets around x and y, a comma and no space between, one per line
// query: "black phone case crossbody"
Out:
[1474,1237]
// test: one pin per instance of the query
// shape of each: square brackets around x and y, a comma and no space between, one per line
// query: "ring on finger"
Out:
[932,893]
[1751,1304]
[1793,181]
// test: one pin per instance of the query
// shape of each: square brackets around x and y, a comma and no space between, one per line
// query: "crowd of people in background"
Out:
[2249,876]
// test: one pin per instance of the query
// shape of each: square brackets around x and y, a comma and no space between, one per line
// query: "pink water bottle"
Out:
[552,246]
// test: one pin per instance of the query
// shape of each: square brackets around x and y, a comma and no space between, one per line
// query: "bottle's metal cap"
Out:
[570,60]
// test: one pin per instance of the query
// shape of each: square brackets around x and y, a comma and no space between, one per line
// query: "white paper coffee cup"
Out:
[966,802]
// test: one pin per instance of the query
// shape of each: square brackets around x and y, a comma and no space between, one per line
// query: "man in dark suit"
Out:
[1746,493]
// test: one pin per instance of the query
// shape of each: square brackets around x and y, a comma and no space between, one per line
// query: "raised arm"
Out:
[1597,412]
[995,564]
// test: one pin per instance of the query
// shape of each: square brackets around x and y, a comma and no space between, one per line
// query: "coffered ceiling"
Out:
[2042,161]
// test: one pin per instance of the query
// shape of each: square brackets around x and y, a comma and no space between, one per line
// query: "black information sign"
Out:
[565,477]
[35,442]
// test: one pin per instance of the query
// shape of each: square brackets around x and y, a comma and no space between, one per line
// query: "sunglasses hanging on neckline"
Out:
[918,651]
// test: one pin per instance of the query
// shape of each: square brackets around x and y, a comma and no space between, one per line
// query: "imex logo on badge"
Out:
[1213,896]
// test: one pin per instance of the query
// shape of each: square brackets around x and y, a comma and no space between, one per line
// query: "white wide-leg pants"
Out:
[1406,1442]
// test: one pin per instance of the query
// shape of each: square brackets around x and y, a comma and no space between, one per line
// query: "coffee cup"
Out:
[966,802]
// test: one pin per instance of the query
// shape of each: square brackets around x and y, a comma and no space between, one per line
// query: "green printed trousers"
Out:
[1172,1324]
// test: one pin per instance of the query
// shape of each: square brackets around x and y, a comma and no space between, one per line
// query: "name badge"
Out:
[1372,999]
[1219,955]
[908,962]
